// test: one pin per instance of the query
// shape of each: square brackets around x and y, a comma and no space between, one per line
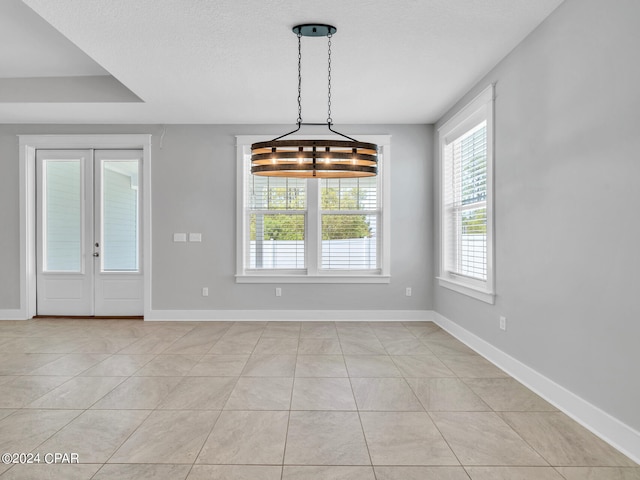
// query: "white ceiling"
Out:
[235,61]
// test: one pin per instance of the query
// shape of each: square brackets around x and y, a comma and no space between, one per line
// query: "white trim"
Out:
[293,315]
[261,278]
[311,274]
[479,109]
[467,289]
[27,151]
[313,227]
[463,114]
[385,193]
[610,429]
[27,205]
[12,314]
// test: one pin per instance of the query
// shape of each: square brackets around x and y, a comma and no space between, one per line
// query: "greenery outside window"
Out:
[312,230]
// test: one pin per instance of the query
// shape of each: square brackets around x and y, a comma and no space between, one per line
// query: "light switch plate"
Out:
[179,237]
[195,237]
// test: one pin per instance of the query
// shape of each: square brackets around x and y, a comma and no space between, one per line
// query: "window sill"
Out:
[313,279]
[466,289]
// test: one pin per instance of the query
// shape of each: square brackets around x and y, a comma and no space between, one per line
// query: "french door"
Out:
[89,255]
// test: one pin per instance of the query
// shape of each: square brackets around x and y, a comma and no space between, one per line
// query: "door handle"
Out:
[96,254]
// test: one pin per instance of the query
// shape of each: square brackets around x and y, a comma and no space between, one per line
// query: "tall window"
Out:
[466,161]
[312,230]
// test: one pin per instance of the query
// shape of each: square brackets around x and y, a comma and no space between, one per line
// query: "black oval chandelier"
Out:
[314,158]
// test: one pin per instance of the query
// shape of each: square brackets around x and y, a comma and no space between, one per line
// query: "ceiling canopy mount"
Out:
[314,30]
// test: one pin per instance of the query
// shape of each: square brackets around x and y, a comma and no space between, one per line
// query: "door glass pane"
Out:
[120,230]
[63,215]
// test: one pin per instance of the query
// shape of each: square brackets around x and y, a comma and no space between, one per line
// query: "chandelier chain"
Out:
[329,119]
[299,120]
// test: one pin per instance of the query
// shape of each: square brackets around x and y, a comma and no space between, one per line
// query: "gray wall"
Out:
[194,190]
[567,201]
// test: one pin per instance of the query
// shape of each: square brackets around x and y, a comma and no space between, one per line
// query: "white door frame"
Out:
[28,144]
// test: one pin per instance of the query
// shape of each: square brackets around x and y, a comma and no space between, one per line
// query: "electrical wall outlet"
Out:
[278,292]
[205,291]
[407,292]
[503,323]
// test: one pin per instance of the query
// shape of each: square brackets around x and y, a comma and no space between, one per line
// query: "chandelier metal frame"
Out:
[314,158]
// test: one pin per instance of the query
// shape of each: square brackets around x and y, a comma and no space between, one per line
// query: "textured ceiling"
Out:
[234,61]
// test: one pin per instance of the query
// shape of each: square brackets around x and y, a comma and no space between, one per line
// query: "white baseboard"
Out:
[292,315]
[13,314]
[610,429]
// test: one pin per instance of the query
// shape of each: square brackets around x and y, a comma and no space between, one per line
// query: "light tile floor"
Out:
[277,401]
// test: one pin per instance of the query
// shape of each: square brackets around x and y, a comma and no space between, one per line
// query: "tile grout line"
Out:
[135,429]
[83,411]
[555,469]
[461,378]
[293,386]
[222,409]
[438,428]
[151,411]
[457,376]
[366,443]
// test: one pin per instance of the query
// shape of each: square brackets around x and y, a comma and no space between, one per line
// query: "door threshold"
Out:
[90,317]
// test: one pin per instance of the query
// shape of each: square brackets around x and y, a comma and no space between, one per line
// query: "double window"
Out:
[312,230]
[466,207]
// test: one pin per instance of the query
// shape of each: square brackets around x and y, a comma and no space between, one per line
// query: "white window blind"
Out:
[350,213]
[466,202]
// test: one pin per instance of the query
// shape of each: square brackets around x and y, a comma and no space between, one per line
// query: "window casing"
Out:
[300,230]
[466,199]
